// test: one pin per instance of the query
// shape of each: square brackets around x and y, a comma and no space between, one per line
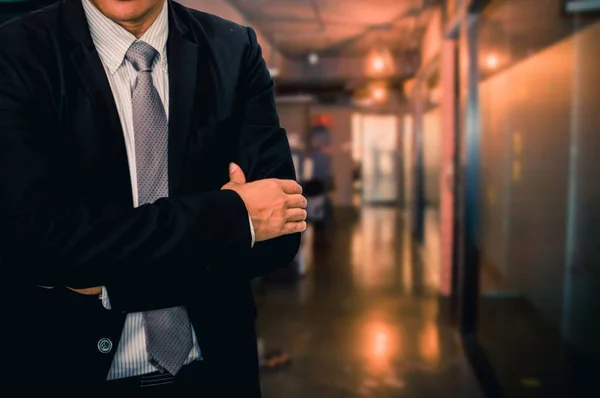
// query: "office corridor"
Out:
[477,121]
[365,321]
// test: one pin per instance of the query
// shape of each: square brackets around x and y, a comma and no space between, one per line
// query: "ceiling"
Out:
[338,27]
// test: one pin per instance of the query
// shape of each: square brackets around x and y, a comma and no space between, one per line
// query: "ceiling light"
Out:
[378,63]
[492,61]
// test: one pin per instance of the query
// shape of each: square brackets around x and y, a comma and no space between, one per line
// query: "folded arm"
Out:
[59,239]
[263,152]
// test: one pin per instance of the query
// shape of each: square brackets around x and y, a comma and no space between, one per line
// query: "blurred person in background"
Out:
[144,181]
[318,177]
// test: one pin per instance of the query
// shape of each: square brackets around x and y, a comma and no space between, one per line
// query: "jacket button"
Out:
[105,345]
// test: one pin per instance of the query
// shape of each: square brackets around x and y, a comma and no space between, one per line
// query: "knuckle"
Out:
[281,229]
[282,203]
[280,215]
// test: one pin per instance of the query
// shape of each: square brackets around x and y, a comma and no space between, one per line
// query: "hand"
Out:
[276,207]
[89,291]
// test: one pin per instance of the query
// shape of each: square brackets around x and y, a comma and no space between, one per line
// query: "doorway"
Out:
[375,154]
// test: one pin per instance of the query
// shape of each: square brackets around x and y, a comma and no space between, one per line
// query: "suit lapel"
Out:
[183,70]
[93,78]
[191,90]
[88,67]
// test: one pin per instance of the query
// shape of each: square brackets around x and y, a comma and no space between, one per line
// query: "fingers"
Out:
[86,291]
[296,201]
[294,227]
[90,291]
[295,215]
[290,187]
[236,175]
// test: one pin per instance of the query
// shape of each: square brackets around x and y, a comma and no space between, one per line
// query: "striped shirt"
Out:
[112,42]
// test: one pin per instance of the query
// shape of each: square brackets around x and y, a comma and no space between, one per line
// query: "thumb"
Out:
[236,175]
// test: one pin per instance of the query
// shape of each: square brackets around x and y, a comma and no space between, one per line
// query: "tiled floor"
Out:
[365,321]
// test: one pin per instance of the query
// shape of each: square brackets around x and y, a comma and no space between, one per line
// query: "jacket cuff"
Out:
[227,227]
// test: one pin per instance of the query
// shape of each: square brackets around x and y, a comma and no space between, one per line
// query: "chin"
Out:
[126,10]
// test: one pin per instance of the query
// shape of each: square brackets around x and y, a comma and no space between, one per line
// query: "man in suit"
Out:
[144,181]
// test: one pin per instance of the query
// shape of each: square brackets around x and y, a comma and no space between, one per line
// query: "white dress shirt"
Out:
[112,42]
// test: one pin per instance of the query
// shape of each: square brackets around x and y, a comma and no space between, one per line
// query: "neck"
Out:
[140,24]
[137,28]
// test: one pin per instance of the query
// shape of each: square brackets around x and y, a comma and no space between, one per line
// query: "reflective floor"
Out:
[365,321]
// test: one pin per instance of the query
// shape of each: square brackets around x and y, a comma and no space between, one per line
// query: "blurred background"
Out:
[447,149]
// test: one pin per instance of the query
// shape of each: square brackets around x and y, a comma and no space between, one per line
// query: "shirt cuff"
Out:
[104,298]
[251,231]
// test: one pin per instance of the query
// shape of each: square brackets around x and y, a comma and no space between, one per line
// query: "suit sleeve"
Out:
[58,238]
[263,152]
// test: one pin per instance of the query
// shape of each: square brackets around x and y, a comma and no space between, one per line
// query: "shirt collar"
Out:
[112,41]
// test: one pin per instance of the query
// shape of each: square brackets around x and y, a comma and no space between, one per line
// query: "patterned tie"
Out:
[168,331]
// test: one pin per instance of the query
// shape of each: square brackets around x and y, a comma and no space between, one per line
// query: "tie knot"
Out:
[141,55]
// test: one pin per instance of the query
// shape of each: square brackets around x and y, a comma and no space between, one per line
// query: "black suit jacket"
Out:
[66,213]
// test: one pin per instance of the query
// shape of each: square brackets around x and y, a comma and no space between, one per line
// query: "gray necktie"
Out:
[168,331]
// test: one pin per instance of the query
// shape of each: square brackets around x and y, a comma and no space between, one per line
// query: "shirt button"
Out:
[105,345]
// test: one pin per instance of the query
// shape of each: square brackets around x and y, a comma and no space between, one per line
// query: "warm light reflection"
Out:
[431,268]
[407,261]
[381,346]
[429,343]
[373,254]
[381,342]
